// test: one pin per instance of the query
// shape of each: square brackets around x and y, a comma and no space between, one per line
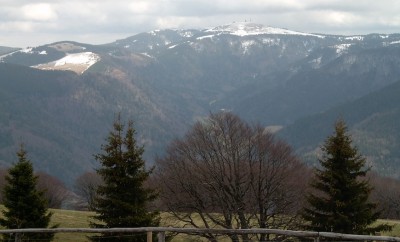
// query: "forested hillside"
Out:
[373,121]
[62,118]
[60,98]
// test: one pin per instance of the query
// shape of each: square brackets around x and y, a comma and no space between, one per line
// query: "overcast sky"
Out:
[31,23]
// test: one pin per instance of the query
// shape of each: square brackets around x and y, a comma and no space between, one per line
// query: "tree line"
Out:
[224,173]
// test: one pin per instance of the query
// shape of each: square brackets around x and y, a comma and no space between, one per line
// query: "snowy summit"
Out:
[248,28]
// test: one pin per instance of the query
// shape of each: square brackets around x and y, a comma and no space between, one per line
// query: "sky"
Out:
[32,23]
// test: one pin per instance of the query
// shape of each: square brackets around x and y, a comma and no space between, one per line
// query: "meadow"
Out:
[80,219]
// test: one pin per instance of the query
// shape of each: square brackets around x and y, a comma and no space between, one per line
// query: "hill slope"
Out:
[63,118]
[167,79]
[372,120]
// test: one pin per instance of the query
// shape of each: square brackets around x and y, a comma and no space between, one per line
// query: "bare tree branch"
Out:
[233,176]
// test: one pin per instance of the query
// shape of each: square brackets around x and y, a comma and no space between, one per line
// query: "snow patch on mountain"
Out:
[154,32]
[30,50]
[147,55]
[248,29]
[359,38]
[173,46]
[342,48]
[246,45]
[186,34]
[77,62]
[206,37]
[271,41]
[6,55]
[84,58]
[27,50]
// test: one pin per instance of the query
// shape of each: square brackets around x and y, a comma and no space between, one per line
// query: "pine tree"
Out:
[25,206]
[122,200]
[340,202]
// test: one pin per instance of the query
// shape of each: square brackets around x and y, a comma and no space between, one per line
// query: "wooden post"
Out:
[161,236]
[149,236]
[17,237]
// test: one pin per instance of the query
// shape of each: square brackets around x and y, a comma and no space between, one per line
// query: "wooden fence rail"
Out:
[162,230]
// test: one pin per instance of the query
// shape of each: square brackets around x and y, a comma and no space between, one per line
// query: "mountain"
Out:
[312,90]
[63,118]
[4,50]
[372,120]
[165,80]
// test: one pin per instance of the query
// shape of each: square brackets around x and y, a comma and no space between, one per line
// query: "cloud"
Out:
[98,19]
[17,25]
[38,12]
[143,7]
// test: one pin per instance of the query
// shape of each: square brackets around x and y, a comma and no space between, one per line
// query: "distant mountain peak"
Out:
[250,28]
[67,46]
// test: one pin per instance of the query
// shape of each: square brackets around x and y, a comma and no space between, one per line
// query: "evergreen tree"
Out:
[26,207]
[122,200]
[340,202]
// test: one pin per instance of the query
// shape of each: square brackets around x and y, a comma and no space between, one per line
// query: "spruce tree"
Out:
[25,206]
[122,200]
[340,201]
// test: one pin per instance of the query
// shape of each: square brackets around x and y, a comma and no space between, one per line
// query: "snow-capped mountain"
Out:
[67,56]
[249,29]
[241,38]
[167,79]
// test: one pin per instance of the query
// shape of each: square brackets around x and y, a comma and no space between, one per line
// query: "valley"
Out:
[60,99]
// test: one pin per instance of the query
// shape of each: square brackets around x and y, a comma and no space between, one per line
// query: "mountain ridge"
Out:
[250,28]
[165,80]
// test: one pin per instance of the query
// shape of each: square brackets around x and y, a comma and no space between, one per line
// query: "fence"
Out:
[162,230]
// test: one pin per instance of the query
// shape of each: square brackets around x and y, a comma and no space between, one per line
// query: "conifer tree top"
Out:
[123,199]
[25,206]
[340,200]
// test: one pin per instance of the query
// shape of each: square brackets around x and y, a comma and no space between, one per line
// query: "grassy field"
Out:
[80,219]
[396,227]
[71,219]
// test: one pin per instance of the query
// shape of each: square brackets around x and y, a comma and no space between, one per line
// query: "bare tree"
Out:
[86,186]
[386,194]
[278,183]
[55,191]
[227,174]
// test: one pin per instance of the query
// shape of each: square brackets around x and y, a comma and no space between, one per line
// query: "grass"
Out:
[71,219]
[396,227]
[80,219]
